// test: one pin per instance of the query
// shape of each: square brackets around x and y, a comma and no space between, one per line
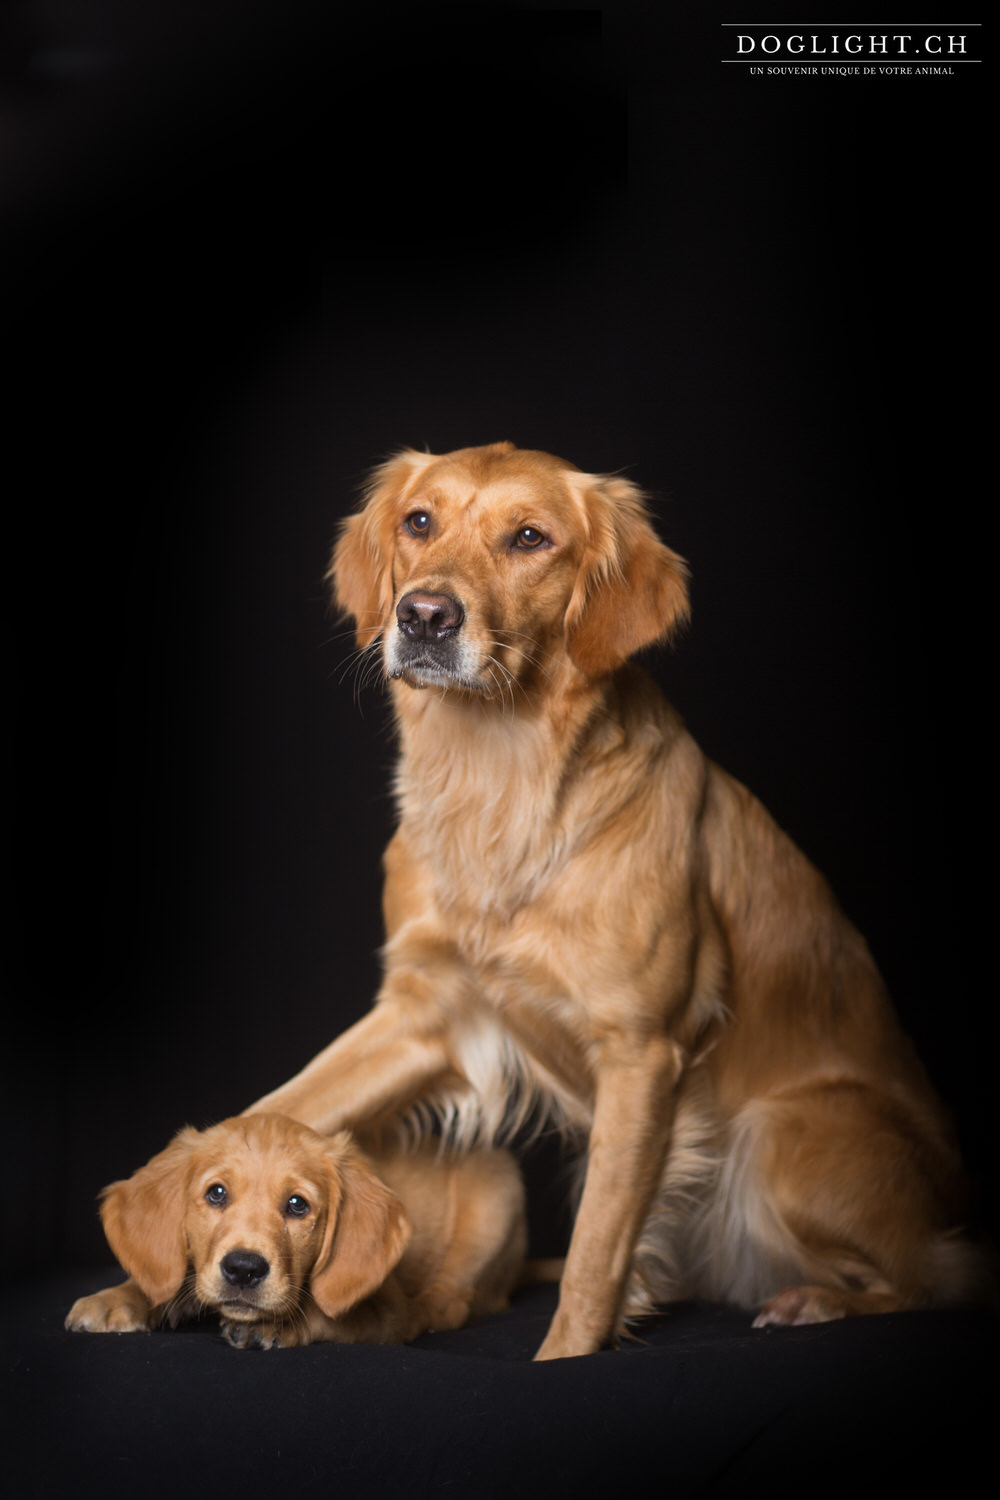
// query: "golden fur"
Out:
[586,918]
[295,1238]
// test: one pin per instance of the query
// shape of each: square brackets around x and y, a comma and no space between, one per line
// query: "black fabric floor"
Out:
[702,1405]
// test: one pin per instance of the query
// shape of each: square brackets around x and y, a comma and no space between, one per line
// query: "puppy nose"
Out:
[244,1267]
[428,617]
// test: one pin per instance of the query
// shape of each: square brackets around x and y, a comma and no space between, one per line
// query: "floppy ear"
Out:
[366,1234]
[143,1219]
[360,571]
[631,590]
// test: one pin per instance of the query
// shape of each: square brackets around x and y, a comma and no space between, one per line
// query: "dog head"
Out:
[249,1215]
[477,569]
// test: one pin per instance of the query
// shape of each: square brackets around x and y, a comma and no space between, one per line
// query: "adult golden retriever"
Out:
[585,916]
[296,1239]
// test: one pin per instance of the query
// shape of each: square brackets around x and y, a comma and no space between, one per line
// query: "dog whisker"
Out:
[183,1304]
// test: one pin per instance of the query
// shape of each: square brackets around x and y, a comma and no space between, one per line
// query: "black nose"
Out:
[244,1267]
[429,617]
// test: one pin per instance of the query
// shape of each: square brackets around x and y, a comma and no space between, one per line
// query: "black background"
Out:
[252,249]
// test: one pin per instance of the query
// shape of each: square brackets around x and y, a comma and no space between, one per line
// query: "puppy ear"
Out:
[631,590]
[143,1219]
[360,571]
[366,1234]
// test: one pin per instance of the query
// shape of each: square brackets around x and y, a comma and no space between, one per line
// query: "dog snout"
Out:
[244,1268]
[429,617]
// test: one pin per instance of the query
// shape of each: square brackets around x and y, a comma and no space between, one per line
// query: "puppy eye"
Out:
[528,538]
[297,1207]
[419,523]
[216,1195]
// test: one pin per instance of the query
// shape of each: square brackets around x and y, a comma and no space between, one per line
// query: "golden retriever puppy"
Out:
[295,1238]
[587,918]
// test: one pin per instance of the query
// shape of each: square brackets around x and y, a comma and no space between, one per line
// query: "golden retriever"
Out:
[587,919]
[294,1238]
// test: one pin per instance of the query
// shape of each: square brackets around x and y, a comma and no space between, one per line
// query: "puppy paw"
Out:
[250,1335]
[118,1309]
[262,1335]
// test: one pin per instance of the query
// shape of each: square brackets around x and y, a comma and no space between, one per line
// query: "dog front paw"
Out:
[263,1335]
[118,1309]
[249,1335]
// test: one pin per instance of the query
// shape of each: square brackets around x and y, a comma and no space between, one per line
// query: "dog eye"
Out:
[216,1195]
[419,523]
[528,538]
[297,1207]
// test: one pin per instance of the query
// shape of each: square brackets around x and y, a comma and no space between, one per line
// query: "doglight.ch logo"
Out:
[914,51]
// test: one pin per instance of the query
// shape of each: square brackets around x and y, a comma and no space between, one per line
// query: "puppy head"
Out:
[478,568]
[261,1209]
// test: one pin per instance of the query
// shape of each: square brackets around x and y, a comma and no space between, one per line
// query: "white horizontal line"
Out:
[846,25]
